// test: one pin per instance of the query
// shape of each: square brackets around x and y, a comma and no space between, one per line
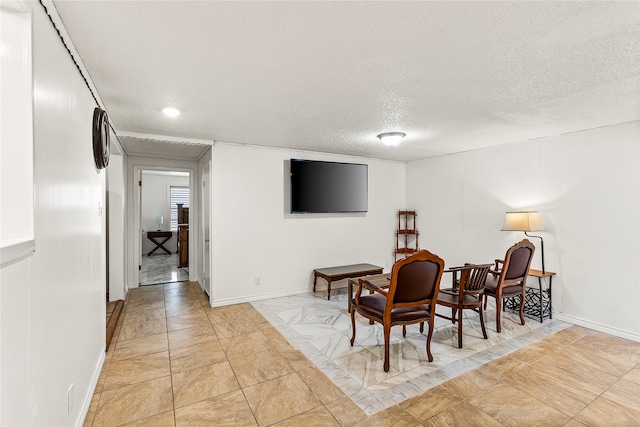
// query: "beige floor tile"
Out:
[137,369]
[196,356]
[394,416]
[431,402]
[203,383]
[126,349]
[227,313]
[562,392]
[501,367]
[235,328]
[603,412]
[144,315]
[142,304]
[228,410]
[318,417]
[462,415]
[297,360]
[471,383]
[257,368]
[514,408]
[276,340]
[191,336]
[346,412]
[625,393]
[91,412]
[165,419]
[279,399]
[240,346]
[134,402]
[142,329]
[186,321]
[593,380]
[574,423]
[182,309]
[320,385]
[633,375]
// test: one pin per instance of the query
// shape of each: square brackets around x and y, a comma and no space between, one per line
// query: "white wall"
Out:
[254,234]
[155,201]
[586,186]
[53,311]
[117,227]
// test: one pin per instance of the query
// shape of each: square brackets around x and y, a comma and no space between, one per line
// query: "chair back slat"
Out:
[476,278]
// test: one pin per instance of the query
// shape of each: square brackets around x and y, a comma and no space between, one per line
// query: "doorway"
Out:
[164,226]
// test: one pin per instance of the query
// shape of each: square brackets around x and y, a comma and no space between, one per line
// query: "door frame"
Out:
[134,209]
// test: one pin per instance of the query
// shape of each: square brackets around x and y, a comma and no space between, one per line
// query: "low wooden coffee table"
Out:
[331,274]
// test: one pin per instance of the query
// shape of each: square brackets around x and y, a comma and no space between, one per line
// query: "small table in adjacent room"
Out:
[331,274]
[153,235]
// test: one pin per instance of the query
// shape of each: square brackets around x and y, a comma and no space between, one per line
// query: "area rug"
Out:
[321,330]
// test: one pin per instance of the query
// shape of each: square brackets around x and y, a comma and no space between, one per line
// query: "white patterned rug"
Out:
[321,330]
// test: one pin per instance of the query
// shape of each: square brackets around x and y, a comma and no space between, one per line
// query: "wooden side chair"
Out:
[410,298]
[466,294]
[509,279]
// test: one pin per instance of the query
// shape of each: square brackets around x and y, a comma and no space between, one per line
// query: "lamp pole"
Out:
[541,248]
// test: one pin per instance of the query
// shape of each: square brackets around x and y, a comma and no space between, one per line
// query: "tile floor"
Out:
[175,361]
[161,268]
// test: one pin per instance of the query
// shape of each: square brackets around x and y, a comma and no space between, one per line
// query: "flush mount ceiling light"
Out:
[171,112]
[391,138]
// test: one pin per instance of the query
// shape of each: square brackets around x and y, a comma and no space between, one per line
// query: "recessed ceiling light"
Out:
[171,112]
[392,138]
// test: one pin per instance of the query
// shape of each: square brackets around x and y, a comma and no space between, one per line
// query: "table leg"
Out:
[328,290]
[315,279]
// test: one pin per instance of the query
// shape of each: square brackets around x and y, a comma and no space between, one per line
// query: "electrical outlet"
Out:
[70,399]
[258,281]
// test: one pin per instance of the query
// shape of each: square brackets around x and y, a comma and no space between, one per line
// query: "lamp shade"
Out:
[160,219]
[522,221]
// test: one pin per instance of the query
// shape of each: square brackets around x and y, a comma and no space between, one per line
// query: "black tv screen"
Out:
[328,187]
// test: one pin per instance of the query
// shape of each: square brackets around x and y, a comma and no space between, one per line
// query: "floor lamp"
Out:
[525,221]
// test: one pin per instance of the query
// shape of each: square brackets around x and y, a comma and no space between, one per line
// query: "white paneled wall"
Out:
[53,303]
[586,186]
[255,235]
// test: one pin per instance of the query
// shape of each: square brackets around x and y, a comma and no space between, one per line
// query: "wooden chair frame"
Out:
[467,294]
[503,282]
[387,319]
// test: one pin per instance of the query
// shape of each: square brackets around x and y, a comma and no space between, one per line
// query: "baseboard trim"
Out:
[240,300]
[598,327]
[92,389]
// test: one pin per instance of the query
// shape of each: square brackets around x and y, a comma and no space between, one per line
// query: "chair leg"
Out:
[522,308]
[453,315]
[484,331]
[485,301]
[421,327]
[498,312]
[429,341]
[404,330]
[460,328]
[353,325]
[387,333]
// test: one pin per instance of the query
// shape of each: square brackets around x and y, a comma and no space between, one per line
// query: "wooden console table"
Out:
[153,235]
[331,274]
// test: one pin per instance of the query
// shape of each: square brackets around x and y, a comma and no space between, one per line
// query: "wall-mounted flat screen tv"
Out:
[328,187]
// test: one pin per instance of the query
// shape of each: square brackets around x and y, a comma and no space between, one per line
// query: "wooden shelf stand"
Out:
[406,234]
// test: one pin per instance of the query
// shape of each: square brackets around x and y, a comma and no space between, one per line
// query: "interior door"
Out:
[206,230]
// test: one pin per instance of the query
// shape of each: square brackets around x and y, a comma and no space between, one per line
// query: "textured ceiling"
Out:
[330,76]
